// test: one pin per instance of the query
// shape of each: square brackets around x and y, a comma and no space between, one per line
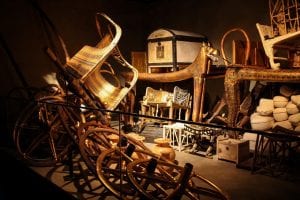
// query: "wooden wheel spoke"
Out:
[164,181]
[40,133]
[25,126]
[116,172]
[35,143]
[153,178]
[100,139]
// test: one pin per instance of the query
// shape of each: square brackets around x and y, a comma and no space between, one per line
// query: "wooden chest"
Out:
[172,49]
[233,150]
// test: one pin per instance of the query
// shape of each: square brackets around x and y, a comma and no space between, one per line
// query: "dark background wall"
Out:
[24,39]
[22,31]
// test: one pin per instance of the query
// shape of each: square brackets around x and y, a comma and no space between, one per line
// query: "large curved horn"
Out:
[196,69]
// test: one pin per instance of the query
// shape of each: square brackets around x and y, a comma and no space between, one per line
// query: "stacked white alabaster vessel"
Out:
[283,110]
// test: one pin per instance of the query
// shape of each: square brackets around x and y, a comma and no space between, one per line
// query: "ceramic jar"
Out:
[162,147]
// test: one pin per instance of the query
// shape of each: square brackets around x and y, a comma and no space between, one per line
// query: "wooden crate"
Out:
[233,150]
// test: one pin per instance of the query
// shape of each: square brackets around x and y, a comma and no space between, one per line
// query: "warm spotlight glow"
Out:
[51,78]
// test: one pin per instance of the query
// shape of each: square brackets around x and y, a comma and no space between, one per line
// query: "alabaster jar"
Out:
[285,124]
[280,114]
[162,147]
[280,101]
[295,119]
[265,107]
[291,108]
[260,122]
[296,99]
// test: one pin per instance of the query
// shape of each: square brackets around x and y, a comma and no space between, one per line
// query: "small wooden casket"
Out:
[233,150]
[171,49]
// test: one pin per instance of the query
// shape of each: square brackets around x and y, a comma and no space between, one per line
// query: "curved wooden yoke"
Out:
[247,50]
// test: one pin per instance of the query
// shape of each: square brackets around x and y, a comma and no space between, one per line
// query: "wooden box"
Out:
[233,150]
[172,49]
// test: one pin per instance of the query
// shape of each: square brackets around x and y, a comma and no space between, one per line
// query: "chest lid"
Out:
[170,34]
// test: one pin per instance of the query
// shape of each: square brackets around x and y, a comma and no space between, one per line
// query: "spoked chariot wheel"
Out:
[96,138]
[92,142]
[112,165]
[45,131]
[157,179]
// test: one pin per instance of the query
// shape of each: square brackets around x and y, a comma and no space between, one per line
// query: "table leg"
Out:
[232,94]
[179,139]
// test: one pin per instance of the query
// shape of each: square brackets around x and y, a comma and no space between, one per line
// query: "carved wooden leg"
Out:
[202,85]
[171,114]
[187,114]
[232,94]
[144,112]
[131,96]
[198,81]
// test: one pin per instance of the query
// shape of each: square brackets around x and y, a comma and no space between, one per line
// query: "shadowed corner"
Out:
[18,180]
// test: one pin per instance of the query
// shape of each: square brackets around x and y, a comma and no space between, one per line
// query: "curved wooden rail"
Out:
[248,45]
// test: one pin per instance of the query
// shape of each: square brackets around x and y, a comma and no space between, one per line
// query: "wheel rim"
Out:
[156,184]
[95,140]
[166,180]
[40,134]
[112,163]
